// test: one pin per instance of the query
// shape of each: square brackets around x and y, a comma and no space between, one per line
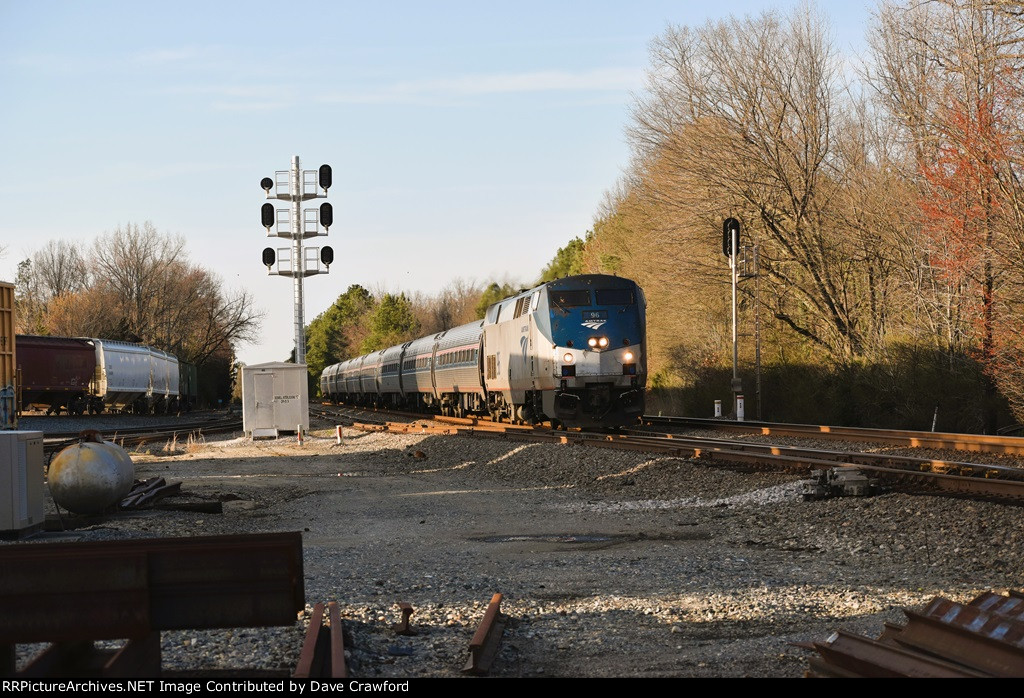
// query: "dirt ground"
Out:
[610,563]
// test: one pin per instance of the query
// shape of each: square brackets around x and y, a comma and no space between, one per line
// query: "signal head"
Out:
[267,183]
[327,256]
[730,235]
[267,216]
[325,177]
[269,257]
[326,215]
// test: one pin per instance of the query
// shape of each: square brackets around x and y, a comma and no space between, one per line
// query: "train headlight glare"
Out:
[592,342]
[569,358]
[602,342]
[628,356]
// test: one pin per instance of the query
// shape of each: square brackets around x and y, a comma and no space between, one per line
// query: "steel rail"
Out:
[1013,445]
[134,437]
[935,465]
[323,648]
[484,645]
[946,639]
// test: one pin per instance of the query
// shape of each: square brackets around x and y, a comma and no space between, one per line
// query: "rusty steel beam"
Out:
[138,657]
[403,627]
[323,648]
[993,645]
[311,655]
[56,593]
[1011,606]
[484,645]
[869,658]
[338,668]
[66,592]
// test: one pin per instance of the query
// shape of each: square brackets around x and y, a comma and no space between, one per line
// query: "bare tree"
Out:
[136,284]
[949,71]
[60,268]
[741,120]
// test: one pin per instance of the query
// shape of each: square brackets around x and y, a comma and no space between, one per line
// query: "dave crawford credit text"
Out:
[210,686]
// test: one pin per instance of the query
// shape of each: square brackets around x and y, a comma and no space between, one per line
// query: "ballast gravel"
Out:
[611,563]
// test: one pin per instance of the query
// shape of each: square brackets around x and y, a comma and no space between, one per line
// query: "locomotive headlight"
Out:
[602,342]
[627,357]
[592,342]
[569,358]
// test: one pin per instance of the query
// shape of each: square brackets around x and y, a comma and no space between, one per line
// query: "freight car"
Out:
[78,375]
[57,372]
[572,351]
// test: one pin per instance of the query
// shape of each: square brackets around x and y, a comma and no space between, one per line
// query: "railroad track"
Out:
[980,443]
[134,436]
[1012,445]
[895,471]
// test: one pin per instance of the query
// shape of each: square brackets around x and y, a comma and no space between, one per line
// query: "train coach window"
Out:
[615,296]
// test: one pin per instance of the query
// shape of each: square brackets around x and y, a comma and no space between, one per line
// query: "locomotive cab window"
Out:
[616,296]
[570,299]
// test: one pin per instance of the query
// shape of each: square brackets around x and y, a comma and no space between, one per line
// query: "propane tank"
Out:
[89,477]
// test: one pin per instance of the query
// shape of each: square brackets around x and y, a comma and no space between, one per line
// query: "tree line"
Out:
[360,321]
[881,203]
[136,284]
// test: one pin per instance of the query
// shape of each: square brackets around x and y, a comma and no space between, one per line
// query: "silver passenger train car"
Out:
[572,351]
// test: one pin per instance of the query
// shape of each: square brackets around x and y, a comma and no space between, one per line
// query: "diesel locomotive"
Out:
[570,351]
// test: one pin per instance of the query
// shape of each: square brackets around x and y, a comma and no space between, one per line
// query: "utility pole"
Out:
[296,185]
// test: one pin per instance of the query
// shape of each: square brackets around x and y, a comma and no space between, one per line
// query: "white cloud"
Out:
[598,80]
[176,55]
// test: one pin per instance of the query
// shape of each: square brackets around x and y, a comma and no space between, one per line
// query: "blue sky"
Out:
[467,139]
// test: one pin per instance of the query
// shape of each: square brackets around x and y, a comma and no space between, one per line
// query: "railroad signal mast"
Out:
[731,248]
[297,224]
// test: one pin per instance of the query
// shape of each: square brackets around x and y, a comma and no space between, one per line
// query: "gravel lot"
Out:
[611,563]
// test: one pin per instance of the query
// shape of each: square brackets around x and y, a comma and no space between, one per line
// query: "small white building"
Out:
[275,398]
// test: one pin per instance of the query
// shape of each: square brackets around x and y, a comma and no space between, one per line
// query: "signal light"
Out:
[267,216]
[267,183]
[730,235]
[269,257]
[327,256]
[325,177]
[326,215]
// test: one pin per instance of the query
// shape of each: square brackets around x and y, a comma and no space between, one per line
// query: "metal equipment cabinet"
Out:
[275,398]
[21,481]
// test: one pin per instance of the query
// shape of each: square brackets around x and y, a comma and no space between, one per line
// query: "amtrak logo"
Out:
[594,324]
